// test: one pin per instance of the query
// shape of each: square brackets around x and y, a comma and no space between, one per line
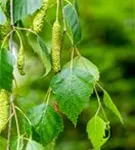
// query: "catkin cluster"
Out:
[21,61]
[38,21]
[4,108]
[56,46]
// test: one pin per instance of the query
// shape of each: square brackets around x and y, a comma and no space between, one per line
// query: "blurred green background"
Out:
[108,29]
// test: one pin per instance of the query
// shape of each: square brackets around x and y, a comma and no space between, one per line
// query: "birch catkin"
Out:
[4,30]
[21,61]
[38,21]
[4,108]
[56,46]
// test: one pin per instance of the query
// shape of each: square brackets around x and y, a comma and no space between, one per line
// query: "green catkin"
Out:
[21,61]
[4,108]
[39,19]
[4,30]
[56,46]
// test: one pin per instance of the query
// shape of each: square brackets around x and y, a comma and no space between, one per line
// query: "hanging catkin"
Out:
[21,61]
[56,46]
[38,21]
[4,108]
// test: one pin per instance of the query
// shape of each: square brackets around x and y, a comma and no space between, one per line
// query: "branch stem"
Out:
[11,96]
[17,126]
[100,105]
[58,8]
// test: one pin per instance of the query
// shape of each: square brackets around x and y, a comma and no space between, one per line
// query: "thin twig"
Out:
[77,52]
[19,37]
[6,37]
[11,13]
[26,29]
[46,95]
[10,123]
[17,126]
[24,115]
[47,100]
[16,119]
[72,57]
[100,105]
[11,97]
[57,11]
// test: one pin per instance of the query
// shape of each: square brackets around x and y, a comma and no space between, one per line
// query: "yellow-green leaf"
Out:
[98,132]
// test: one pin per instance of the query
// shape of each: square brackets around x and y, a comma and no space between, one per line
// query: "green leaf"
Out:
[110,105]
[39,47]
[46,124]
[72,89]
[85,64]
[23,8]
[6,70]
[72,20]
[97,129]
[33,145]
[2,17]
[3,143]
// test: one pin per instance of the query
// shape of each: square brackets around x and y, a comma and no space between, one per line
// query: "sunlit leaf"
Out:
[97,129]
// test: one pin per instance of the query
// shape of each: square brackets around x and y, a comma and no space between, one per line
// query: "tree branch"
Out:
[11,96]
